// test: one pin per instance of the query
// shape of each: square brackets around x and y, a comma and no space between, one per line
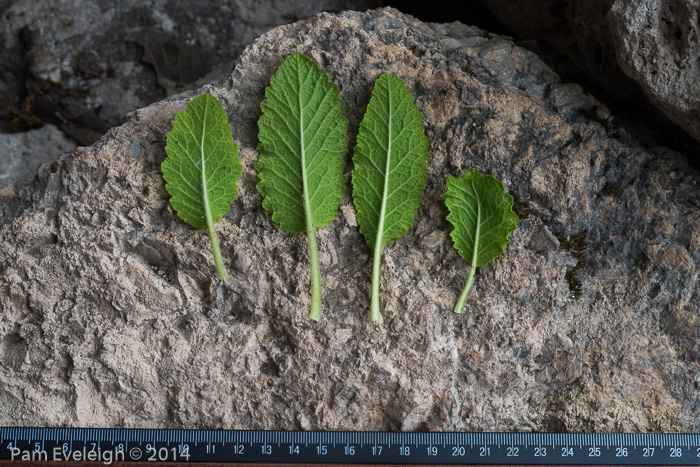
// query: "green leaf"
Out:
[389,171]
[302,148]
[202,167]
[483,219]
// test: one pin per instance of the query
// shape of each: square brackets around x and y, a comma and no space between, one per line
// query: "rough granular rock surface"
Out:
[112,314]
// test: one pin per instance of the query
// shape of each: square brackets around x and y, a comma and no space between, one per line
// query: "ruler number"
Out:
[620,452]
[293,449]
[648,452]
[266,449]
[211,449]
[512,451]
[484,451]
[540,451]
[349,450]
[237,449]
[376,450]
[321,450]
[698,453]
[432,451]
[676,452]
[594,451]
[405,450]
[567,452]
[458,451]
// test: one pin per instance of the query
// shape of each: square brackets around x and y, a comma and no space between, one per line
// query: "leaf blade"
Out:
[302,146]
[482,215]
[202,168]
[391,153]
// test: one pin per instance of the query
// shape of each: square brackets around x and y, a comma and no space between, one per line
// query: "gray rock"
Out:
[657,43]
[23,153]
[653,42]
[112,314]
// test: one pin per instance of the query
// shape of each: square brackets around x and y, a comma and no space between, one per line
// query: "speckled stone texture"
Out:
[111,313]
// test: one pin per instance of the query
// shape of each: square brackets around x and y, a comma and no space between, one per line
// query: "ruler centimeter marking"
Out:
[328,448]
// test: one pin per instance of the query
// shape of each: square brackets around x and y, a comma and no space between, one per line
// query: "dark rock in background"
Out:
[658,45]
[112,314]
[623,45]
[83,65]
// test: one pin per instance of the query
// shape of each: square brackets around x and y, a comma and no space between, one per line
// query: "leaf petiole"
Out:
[375,281]
[223,275]
[315,313]
[459,309]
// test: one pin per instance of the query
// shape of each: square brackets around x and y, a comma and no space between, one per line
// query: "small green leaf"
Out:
[202,167]
[302,148]
[483,219]
[389,169]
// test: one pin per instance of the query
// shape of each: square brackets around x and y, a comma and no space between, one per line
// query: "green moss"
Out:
[574,282]
[520,207]
[609,189]
[469,70]
[575,245]
[23,117]
[591,113]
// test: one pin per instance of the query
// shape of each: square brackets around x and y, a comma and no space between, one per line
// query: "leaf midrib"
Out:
[478,225]
[382,211]
[205,196]
[304,181]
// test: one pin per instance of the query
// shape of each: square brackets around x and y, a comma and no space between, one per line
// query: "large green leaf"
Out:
[202,167]
[389,171]
[302,147]
[483,219]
